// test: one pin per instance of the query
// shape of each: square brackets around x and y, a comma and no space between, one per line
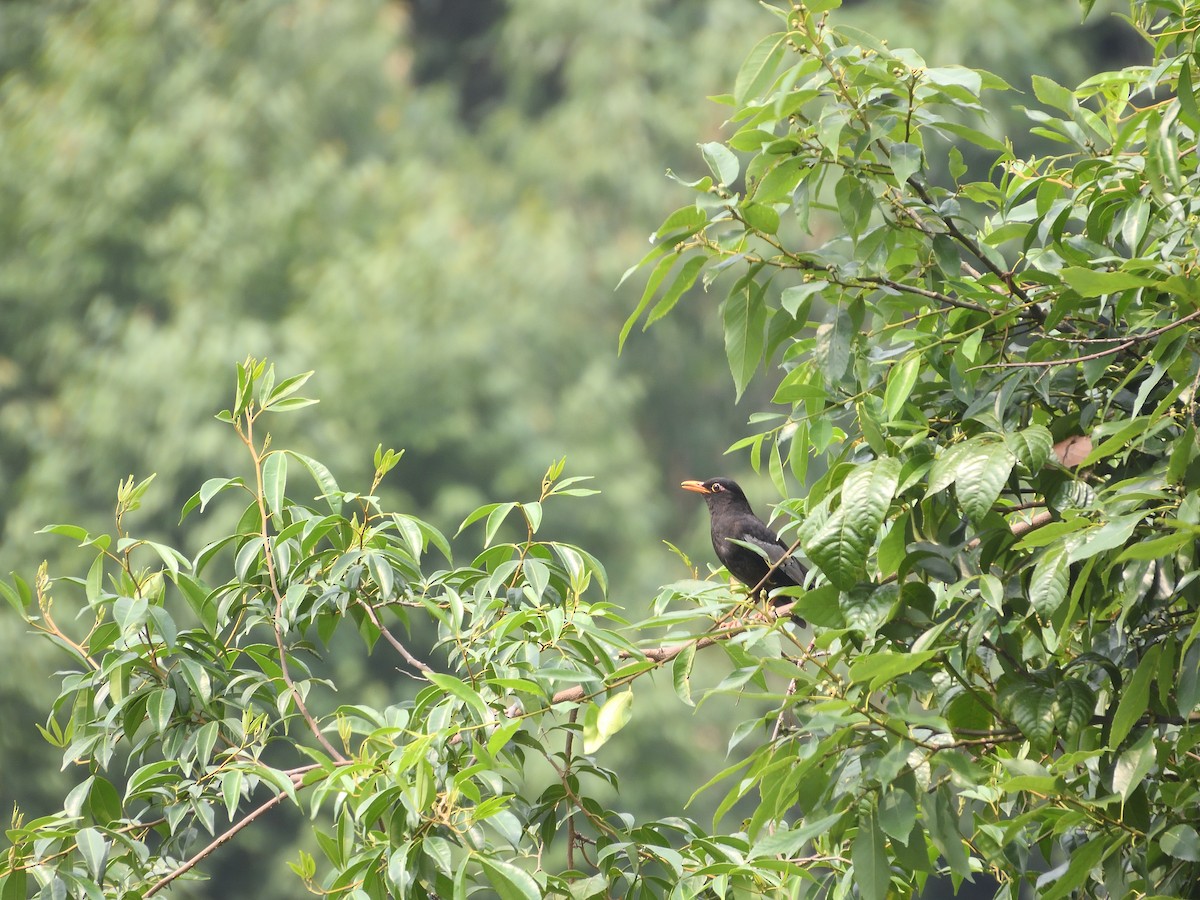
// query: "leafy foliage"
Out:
[989,385]
[196,677]
[987,450]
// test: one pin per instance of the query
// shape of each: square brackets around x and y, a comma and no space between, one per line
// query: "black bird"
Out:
[732,520]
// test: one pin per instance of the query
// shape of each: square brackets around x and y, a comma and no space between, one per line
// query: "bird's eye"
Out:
[717,488]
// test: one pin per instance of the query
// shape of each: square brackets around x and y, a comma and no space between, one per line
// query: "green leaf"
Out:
[685,278]
[502,735]
[898,813]
[1117,441]
[290,404]
[944,830]
[18,600]
[835,344]
[476,514]
[1053,94]
[980,476]
[74,532]
[967,133]
[745,316]
[841,544]
[1135,698]
[1031,446]
[721,162]
[1133,765]
[955,163]
[781,180]
[607,720]
[855,204]
[652,284]
[1083,859]
[231,790]
[788,841]
[872,869]
[821,607]
[1074,706]
[151,776]
[288,387]
[885,665]
[214,486]
[1181,842]
[495,519]
[867,607]
[758,69]
[274,473]
[944,470]
[1156,548]
[1186,94]
[103,801]
[1096,283]
[793,298]
[461,690]
[894,547]
[15,885]
[94,587]
[509,881]
[760,217]
[905,161]
[1049,581]
[1102,538]
[94,850]
[681,673]
[956,77]
[1030,705]
[330,492]
[686,220]
[900,382]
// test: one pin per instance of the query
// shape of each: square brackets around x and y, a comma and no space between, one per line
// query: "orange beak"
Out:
[696,487]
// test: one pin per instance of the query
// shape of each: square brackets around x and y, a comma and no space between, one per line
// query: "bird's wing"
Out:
[759,535]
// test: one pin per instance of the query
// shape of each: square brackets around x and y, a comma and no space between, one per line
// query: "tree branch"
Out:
[925,292]
[400,648]
[269,561]
[1099,354]
[972,247]
[222,838]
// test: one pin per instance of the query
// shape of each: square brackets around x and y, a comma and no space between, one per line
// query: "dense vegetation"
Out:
[980,368]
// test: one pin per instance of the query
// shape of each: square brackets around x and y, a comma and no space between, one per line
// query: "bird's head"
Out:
[719,493]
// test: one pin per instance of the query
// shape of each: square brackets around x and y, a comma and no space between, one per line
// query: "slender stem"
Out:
[222,838]
[791,690]
[566,773]
[928,294]
[974,248]
[391,639]
[1099,354]
[269,561]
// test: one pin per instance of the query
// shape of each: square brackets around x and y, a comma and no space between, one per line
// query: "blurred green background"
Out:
[428,202]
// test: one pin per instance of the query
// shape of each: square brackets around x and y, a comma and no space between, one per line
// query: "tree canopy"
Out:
[983,433]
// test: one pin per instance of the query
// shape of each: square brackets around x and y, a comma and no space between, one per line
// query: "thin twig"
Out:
[222,838]
[659,655]
[400,648]
[566,773]
[1099,354]
[975,250]
[791,690]
[269,561]
[1019,529]
[928,294]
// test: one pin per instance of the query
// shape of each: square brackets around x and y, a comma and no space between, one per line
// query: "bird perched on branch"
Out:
[733,520]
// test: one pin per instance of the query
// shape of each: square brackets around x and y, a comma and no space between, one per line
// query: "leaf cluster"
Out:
[988,385]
